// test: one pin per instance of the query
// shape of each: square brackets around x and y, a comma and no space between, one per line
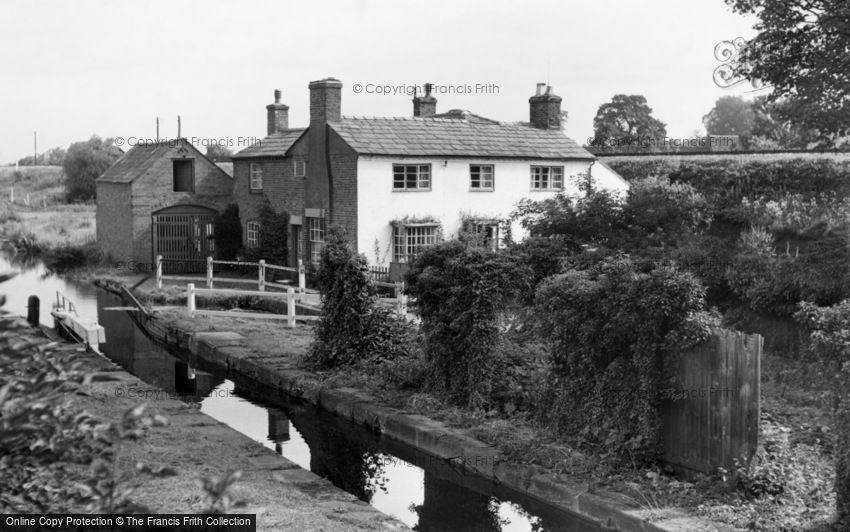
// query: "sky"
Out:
[71,69]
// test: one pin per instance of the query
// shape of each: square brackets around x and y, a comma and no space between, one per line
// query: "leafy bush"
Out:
[830,340]
[614,333]
[273,238]
[228,233]
[460,294]
[352,327]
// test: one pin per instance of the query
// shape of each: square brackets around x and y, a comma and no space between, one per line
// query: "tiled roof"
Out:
[275,145]
[140,157]
[457,137]
[134,163]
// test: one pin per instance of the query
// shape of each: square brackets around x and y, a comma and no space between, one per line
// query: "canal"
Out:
[426,493]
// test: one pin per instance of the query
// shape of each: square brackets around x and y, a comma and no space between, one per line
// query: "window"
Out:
[484,234]
[183,173]
[253,234]
[300,167]
[480,177]
[316,236]
[409,240]
[411,177]
[256,177]
[547,178]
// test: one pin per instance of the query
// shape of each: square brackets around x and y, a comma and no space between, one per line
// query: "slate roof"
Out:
[275,145]
[140,157]
[469,136]
[134,163]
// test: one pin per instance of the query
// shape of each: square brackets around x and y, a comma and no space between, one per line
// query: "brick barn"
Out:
[161,198]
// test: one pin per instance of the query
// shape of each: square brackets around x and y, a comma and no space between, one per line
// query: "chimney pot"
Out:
[425,106]
[545,108]
[277,115]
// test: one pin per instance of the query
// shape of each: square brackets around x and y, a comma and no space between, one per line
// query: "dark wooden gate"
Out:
[184,236]
[711,418]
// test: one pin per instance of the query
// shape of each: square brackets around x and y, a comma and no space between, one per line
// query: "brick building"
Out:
[161,198]
[397,184]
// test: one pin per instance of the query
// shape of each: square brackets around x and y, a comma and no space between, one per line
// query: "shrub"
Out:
[352,328]
[830,340]
[228,233]
[460,294]
[273,237]
[614,333]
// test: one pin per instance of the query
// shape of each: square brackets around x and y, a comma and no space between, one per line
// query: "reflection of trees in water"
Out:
[350,463]
[447,506]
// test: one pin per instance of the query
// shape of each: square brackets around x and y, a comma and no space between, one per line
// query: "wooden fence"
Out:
[290,295]
[711,417]
[261,266]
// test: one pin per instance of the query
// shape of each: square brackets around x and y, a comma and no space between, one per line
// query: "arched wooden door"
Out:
[184,236]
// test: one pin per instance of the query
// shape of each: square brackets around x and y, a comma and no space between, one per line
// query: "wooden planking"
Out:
[717,420]
[260,315]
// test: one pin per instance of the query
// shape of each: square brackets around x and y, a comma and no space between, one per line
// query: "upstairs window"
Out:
[256,177]
[183,175]
[481,177]
[547,178]
[410,239]
[300,167]
[253,239]
[411,177]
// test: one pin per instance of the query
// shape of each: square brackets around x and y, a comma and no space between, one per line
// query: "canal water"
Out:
[424,492]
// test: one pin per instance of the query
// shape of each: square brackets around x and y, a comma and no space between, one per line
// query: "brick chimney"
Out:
[278,115]
[425,105]
[545,108]
[325,100]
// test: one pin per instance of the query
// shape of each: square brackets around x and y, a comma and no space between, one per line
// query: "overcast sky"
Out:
[73,69]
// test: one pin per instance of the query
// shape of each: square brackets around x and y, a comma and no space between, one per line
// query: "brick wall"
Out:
[154,190]
[343,169]
[114,228]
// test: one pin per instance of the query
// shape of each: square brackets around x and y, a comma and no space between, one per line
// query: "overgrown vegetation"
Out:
[353,328]
[614,333]
[274,235]
[228,233]
[461,293]
[57,458]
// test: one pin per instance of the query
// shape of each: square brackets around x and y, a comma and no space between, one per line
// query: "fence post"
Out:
[190,298]
[159,271]
[401,299]
[302,277]
[262,276]
[209,272]
[290,306]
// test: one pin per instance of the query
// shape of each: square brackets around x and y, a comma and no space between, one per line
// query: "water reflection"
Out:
[426,493]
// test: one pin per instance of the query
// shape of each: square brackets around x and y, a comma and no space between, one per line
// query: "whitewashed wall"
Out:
[450,197]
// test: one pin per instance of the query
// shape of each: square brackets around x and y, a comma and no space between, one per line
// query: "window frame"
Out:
[255,171]
[190,163]
[303,164]
[403,168]
[479,227]
[481,187]
[541,173]
[316,234]
[252,226]
[401,235]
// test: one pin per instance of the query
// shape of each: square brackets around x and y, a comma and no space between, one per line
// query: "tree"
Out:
[731,115]
[218,152]
[84,162]
[801,51]
[773,125]
[228,233]
[627,121]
